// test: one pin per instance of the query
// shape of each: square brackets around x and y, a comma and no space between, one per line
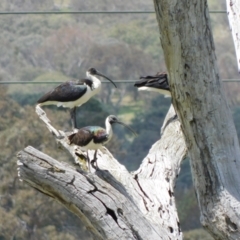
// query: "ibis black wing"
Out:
[82,138]
[160,80]
[65,92]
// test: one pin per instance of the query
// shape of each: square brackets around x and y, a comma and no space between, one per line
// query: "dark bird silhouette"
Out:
[94,137]
[72,94]
[157,83]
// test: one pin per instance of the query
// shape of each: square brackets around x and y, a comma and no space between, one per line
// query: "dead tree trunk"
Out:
[113,203]
[207,123]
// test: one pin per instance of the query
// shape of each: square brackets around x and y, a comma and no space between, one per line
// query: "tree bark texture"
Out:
[233,11]
[206,119]
[112,202]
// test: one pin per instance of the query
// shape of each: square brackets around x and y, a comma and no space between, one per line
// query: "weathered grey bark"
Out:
[106,212]
[233,11]
[113,203]
[206,119]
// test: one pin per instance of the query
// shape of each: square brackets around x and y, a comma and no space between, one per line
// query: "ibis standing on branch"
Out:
[94,137]
[72,94]
[157,83]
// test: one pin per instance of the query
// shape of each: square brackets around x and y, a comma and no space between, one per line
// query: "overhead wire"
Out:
[88,12]
[104,81]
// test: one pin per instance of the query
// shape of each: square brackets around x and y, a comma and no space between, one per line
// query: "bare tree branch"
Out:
[106,212]
[113,203]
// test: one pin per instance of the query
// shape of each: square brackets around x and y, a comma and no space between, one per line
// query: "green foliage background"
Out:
[40,48]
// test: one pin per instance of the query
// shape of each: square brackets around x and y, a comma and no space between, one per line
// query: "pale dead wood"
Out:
[158,172]
[206,119]
[138,205]
[61,138]
[106,212]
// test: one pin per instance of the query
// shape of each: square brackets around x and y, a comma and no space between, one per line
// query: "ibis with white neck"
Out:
[72,94]
[94,137]
[157,83]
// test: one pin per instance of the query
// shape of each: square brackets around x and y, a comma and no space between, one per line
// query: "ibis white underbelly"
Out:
[92,146]
[166,93]
[87,95]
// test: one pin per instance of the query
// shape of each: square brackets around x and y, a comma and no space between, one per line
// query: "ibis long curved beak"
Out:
[100,74]
[126,126]
[140,83]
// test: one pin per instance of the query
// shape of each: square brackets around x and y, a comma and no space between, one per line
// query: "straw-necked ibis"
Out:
[72,94]
[157,83]
[94,137]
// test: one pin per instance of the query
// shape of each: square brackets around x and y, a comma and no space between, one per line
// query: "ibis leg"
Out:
[88,160]
[94,160]
[73,117]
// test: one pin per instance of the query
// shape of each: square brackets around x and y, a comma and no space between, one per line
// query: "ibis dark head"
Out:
[113,119]
[94,72]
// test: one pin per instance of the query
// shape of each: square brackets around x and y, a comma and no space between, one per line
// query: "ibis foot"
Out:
[88,161]
[94,160]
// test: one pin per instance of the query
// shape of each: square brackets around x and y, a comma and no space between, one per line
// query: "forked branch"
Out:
[113,203]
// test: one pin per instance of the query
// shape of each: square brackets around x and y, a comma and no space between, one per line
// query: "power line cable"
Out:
[104,81]
[88,12]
